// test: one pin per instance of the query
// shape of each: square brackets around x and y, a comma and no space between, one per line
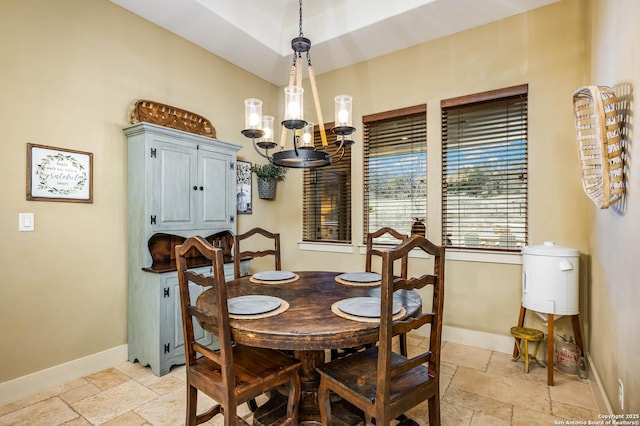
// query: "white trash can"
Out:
[550,279]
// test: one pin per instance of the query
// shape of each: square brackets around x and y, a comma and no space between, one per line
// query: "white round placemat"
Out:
[284,305]
[359,279]
[336,310]
[256,278]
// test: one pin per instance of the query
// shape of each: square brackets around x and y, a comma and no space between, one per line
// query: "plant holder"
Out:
[266,188]
[599,144]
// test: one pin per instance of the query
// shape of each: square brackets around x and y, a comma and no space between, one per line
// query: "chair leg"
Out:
[434,410]
[368,420]
[295,390]
[324,403]
[228,420]
[526,355]
[230,413]
[192,406]
[252,404]
[403,344]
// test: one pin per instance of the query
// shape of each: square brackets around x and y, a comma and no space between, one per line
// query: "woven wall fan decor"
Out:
[169,116]
[599,144]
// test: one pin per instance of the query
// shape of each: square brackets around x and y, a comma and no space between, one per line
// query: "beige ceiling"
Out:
[256,34]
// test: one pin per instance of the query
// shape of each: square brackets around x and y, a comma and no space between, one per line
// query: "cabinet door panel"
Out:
[214,172]
[175,168]
[178,334]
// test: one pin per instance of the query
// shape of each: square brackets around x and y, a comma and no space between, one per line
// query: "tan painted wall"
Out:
[70,71]
[615,232]
[546,48]
[75,69]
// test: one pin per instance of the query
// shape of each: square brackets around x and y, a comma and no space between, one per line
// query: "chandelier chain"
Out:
[300,19]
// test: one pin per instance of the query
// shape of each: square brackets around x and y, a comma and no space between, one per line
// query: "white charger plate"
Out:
[252,304]
[360,277]
[368,307]
[273,275]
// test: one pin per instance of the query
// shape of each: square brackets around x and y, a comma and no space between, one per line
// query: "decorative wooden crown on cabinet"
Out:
[169,116]
[599,144]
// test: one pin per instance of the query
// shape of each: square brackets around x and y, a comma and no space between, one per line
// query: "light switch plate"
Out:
[26,222]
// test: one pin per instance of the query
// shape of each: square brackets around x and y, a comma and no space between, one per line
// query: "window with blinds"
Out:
[327,197]
[484,170]
[395,169]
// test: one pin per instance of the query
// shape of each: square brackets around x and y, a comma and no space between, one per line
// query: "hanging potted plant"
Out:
[268,175]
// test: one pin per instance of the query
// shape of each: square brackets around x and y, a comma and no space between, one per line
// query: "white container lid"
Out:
[549,248]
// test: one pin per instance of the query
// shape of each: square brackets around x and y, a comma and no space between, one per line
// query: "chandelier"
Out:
[304,154]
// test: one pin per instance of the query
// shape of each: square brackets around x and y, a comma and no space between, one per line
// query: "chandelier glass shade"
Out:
[260,128]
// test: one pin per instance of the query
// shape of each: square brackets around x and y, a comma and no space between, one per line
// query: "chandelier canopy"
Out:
[304,154]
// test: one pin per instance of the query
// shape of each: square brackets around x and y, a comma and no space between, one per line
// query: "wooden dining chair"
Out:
[371,251]
[235,373]
[239,254]
[382,383]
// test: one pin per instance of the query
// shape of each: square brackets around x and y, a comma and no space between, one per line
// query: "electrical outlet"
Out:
[621,394]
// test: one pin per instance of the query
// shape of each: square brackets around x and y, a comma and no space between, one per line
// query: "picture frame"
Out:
[244,190]
[59,174]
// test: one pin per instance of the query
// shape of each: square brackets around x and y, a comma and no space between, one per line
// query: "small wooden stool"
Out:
[523,336]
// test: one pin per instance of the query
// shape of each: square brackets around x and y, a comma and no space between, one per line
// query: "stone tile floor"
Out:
[478,387]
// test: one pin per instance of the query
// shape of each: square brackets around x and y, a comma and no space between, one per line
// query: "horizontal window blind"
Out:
[395,169]
[327,197]
[484,174]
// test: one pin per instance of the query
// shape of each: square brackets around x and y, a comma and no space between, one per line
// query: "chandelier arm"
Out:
[316,102]
[259,152]
[295,142]
[340,148]
[342,151]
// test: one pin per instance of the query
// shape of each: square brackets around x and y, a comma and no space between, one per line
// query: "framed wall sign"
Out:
[243,187]
[58,174]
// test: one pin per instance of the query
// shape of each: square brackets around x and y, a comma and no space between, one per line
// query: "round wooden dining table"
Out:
[308,327]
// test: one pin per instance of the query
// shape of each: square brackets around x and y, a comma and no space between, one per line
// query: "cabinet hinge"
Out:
[153,153]
[153,219]
[165,293]
[166,348]
[232,166]
[231,219]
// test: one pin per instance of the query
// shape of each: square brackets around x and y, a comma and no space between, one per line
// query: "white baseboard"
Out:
[479,339]
[604,406]
[61,374]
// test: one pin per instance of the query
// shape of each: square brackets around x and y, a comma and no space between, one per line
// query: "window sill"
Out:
[456,255]
[483,256]
[468,256]
[417,253]
[328,247]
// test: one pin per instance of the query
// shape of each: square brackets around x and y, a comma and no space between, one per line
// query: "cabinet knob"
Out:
[195,188]
[202,188]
